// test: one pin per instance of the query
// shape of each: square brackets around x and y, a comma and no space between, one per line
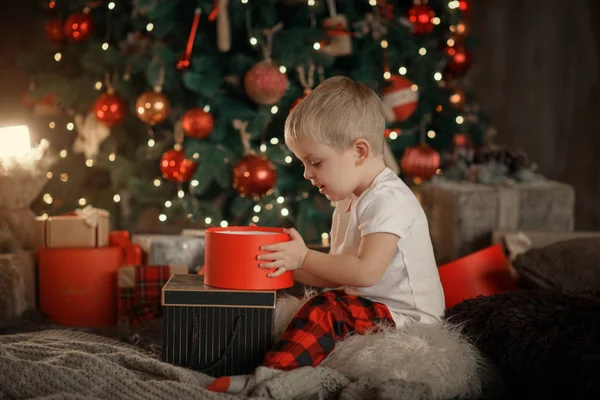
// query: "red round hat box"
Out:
[230,258]
[78,286]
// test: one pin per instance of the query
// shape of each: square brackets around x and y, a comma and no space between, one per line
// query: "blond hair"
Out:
[337,112]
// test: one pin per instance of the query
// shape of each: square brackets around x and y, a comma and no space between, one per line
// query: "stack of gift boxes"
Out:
[90,276]
[139,286]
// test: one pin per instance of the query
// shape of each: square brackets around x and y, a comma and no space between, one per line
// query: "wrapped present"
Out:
[87,227]
[19,187]
[483,273]
[78,287]
[26,262]
[463,215]
[194,232]
[231,258]
[19,275]
[215,331]
[172,250]
[139,292]
[12,289]
[132,253]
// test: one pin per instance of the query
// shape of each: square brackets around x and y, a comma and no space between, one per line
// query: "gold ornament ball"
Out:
[457,97]
[152,108]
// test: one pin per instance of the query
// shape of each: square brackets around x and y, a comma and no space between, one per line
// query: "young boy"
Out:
[381,257]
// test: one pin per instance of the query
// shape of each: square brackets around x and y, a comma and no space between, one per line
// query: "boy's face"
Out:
[330,170]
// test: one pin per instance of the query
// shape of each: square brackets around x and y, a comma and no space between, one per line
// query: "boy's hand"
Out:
[286,256]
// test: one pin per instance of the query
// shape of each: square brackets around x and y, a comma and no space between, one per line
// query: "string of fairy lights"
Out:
[274,202]
[64,177]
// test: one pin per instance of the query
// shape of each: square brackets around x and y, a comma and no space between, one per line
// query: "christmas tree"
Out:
[179,105]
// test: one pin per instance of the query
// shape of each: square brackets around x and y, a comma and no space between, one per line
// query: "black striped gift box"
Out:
[215,331]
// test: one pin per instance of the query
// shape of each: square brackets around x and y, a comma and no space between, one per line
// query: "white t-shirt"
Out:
[410,286]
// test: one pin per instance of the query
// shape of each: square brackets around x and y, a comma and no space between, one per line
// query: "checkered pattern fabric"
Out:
[320,323]
[142,302]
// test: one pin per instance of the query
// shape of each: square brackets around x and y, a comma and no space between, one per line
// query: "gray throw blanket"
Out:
[65,364]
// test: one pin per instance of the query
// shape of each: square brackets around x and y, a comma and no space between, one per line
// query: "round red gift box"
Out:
[230,258]
[78,287]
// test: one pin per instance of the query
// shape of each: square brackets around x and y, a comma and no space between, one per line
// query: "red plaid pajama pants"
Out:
[320,323]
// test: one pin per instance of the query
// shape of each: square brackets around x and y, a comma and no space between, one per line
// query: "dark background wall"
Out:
[535,73]
[18,31]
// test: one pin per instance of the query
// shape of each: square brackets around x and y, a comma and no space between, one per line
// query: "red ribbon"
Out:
[132,253]
[184,62]
[215,11]
[338,30]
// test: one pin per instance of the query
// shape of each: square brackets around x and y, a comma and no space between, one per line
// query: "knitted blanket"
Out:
[66,364]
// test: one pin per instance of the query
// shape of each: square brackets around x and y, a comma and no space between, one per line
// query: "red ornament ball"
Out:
[197,123]
[465,7]
[299,99]
[254,176]
[459,59]
[421,15]
[54,30]
[420,162]
[79,26]
[265,83]
[461,140]
[175,167]
[109,109]
[399,96]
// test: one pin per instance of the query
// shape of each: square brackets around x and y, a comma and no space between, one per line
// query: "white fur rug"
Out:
[437,355]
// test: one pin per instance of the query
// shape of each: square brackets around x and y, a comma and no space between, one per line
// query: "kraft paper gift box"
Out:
[18,281]
[88,227]
[13,301]
[462,216]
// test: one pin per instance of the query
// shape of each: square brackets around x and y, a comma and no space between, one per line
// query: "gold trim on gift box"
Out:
[207,289]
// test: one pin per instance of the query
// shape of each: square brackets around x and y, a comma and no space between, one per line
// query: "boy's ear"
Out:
[362,149]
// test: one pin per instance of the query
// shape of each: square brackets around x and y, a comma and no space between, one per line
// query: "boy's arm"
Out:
[313,280]
[374,255]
